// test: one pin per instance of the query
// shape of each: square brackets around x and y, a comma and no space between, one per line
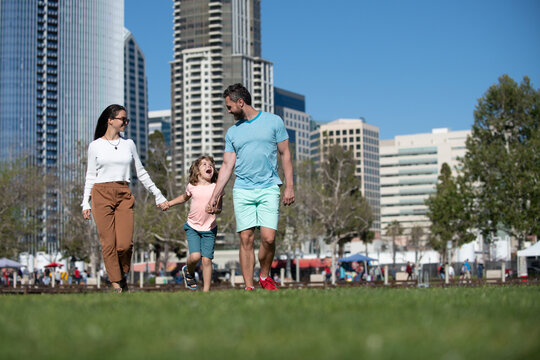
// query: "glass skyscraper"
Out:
[136,94]
[61,64]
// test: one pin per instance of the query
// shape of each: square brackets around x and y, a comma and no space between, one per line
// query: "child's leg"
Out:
[208,240]
[207,272]
[192,261]
[194,246]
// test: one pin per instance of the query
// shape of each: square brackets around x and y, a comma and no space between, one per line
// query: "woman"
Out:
[107,185]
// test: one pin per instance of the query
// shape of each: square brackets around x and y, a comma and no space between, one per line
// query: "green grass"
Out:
[348,323]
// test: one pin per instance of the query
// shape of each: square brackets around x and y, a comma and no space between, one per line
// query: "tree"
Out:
[394,230]
[448,213]
[417,232]
[163,231]
[338,205]
[79,236]
[367,237]
[502,163]
[21,183]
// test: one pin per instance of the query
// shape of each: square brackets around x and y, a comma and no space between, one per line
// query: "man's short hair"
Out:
[237,91]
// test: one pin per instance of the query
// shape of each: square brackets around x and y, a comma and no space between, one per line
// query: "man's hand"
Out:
[211,207]
[288,196]
[87,214]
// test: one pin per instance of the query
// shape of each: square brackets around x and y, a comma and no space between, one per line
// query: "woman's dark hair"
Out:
[237,91]
[194,170]
[102,123]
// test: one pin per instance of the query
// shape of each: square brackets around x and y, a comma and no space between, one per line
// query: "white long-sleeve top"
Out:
[107,164]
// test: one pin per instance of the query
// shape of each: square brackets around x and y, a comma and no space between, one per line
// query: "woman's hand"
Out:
[87,214]
[164,206]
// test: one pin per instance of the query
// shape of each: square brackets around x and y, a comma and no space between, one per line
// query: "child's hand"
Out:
[164,206]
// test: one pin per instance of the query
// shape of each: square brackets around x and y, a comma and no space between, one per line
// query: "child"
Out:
[201,227]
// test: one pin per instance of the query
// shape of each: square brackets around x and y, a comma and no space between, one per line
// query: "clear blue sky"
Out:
[405,66]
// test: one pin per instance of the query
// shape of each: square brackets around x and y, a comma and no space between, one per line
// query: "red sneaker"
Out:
[268,283]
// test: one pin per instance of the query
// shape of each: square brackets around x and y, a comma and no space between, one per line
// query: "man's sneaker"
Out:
[189,280]
[268,283]
[249,288]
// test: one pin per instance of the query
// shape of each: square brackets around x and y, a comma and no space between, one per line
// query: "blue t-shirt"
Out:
[255,144]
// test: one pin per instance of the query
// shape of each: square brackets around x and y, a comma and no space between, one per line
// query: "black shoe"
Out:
[189,280]
[124,285]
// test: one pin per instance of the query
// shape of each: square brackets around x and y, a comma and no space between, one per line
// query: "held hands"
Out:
[87,214]
[214,205]
[164,206]
[288,196]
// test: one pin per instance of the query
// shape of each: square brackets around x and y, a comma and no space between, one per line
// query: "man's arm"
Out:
[286,162]
[225,172]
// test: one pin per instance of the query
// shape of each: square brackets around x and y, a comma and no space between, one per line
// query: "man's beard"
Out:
[240,115]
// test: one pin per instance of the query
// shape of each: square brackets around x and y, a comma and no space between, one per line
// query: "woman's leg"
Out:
[104,215]
[123,217]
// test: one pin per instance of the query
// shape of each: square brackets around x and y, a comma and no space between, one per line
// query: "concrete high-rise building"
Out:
[61,64]
[160,120]
[410,166]
[216,43]
[136,94]
[363,140]
[291,107]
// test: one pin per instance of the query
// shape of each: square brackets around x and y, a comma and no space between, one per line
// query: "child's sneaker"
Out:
[268,283]
[189,280]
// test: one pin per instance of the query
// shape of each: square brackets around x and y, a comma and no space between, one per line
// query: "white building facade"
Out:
[409,170]
[363,140]
[216,44]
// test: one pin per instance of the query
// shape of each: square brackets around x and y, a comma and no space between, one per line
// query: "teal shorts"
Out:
[256,208]
[201,241]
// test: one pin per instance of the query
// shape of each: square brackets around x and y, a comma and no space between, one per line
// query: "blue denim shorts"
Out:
[201,241]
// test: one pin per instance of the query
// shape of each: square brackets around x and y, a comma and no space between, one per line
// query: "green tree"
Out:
[502,163]
[21,183]
[447,211]
[79,236]
[337,203]
[161,231]
[394,230]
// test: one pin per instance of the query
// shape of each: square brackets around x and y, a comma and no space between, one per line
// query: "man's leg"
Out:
[247,255]
[267,250]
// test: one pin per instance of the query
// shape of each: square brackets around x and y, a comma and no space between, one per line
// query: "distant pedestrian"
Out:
[467,270]
[201,227]
[77,276]
[480,266]
[451,272]
[409,271]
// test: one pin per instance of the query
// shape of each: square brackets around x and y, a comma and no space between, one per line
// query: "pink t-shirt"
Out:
[198,218]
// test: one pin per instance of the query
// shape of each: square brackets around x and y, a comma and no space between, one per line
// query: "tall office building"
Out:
[136,94]
[216,43]
[61,64]
[410,166]
[363,140]
[291,107]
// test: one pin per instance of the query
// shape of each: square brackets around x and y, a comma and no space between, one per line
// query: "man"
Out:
[251,147]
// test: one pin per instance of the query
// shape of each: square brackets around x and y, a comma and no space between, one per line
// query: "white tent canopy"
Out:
[530,251]
[522,255]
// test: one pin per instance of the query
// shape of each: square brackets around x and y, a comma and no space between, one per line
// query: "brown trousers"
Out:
[112,208]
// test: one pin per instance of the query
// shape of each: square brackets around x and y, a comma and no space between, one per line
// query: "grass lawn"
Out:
[348,323]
